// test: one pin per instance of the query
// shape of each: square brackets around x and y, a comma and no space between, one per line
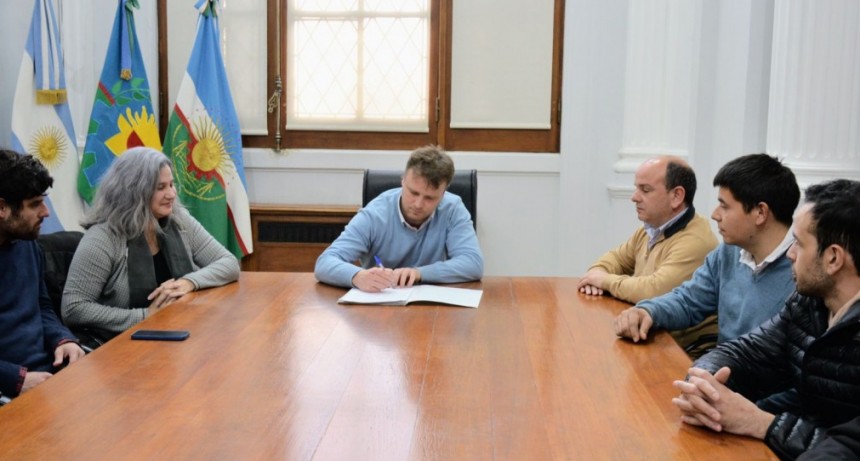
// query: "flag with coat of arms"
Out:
[122,115]
[204,141]
[41,119]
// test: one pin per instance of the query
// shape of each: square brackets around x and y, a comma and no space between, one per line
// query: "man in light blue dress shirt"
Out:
[416,233]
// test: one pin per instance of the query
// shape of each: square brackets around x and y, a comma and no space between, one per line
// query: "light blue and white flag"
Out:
[204,140]
[41,120]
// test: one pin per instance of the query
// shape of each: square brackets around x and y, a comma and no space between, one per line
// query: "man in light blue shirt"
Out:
[747,278]
[417,233]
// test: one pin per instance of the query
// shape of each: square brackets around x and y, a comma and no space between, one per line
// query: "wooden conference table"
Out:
[275,369]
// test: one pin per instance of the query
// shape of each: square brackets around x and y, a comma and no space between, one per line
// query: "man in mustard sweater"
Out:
[666,250]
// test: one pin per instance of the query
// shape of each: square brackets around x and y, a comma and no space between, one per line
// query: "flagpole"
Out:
[274,103]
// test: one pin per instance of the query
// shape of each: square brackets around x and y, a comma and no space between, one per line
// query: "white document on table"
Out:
[426,293]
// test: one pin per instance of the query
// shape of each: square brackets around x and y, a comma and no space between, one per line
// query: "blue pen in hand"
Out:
[379,264]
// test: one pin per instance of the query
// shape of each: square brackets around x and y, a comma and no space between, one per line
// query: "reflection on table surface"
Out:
[276,369]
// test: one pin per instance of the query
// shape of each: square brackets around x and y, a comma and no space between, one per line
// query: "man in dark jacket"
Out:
[840,442]
[808,356]
[33,342]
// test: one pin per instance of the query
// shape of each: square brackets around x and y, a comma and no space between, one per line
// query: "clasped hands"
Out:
[376,279]
[168,292]
[705,400]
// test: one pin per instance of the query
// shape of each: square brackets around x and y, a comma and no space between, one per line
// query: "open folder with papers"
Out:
[421,293]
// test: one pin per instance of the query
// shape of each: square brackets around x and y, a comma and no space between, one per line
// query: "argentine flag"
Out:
[41,120]
[205,143]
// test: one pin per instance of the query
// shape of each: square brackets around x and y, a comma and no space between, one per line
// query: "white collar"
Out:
[747,259]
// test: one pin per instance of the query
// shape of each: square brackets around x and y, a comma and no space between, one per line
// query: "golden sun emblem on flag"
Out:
[209,155]
[49,145]
[135,130]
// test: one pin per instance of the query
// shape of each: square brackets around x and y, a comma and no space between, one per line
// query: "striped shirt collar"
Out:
[654,233]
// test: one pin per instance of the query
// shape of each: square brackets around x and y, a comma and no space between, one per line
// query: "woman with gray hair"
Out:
[142,250]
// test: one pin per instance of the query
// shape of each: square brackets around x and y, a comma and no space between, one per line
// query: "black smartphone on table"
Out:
[161,335]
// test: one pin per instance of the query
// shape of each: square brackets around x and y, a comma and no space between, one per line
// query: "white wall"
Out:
[13,27]
[543,214]
[517,196]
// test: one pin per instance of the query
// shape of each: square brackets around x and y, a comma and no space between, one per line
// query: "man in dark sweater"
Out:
[33,342]
[809,352]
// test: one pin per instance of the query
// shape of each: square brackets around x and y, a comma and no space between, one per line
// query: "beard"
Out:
[16,228]
[815,283]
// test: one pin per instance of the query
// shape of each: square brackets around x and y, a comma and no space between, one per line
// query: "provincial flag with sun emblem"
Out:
[41,120]
[122,115]
[204,141]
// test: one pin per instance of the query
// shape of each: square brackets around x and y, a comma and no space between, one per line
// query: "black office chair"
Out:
[464,184]
[58,248]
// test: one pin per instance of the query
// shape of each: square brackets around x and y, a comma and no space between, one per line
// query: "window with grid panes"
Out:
[380,74]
